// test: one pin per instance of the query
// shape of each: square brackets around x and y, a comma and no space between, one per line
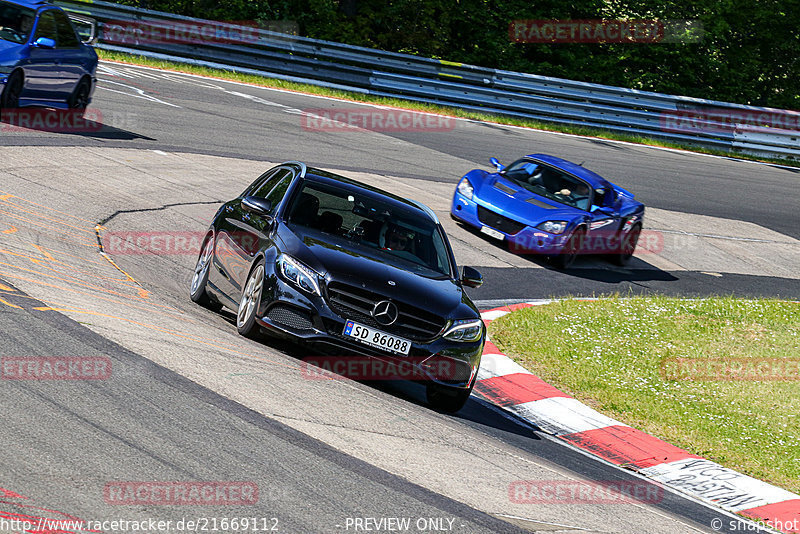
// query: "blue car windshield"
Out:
[15,22]
[386,232]
[550,183]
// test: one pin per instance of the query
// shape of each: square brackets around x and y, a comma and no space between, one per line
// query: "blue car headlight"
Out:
[465,188]
[465,330]
[553,227]
[298,274]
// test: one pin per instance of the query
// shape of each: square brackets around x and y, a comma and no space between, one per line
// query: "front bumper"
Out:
[529,240]
[287,312]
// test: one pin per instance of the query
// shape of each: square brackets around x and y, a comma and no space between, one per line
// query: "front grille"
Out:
[497,221]
[356,303]
[291,317]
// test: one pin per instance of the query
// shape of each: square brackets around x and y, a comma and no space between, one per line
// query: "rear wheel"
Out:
[197,291]
[9,99]
[628,245]
[251,299]
[572,248]
[79,99]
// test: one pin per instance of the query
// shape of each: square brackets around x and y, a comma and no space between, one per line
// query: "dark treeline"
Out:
[748,52]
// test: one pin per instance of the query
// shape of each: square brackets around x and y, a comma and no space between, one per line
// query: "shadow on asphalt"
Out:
[64,122]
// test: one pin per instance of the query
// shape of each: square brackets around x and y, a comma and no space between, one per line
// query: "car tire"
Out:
[251,299]
[79,99]
[572,248]
[197,289]
[9,99]
[447,399]
[627,245]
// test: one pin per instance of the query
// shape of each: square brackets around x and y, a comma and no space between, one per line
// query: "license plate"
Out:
[375,338]
[491,232]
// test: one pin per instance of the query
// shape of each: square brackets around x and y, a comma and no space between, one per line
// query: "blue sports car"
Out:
[542,204]
[42,60]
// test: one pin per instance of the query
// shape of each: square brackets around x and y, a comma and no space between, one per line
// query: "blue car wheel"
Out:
[79,99]
[10,97]
[571,248]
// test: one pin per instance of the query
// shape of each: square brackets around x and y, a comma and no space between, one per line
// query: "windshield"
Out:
[550,182]
[15,22]
[401,237]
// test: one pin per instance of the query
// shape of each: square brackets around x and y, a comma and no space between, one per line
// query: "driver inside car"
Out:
[397,238]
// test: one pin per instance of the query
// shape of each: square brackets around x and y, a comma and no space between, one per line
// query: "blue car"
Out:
[42,60]
[542,204]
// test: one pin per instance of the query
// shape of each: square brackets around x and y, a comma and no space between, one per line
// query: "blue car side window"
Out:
[66,32]
[15,23]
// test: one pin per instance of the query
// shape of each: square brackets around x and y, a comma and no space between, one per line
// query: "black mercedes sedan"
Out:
[345,269]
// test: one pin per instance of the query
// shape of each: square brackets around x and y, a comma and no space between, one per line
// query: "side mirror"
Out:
[45,42]
[471,277]
[497,165]
[257,206]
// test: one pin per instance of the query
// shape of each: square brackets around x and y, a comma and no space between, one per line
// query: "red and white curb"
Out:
[508,385]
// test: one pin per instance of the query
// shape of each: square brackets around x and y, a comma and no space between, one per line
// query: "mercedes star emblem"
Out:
[385,312]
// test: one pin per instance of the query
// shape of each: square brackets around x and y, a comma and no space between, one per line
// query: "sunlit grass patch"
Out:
[735,397]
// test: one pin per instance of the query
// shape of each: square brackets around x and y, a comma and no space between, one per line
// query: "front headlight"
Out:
[465,188]
[553,227]
[465,330]
[298,274]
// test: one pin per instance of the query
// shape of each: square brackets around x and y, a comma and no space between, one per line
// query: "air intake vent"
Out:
[495,220]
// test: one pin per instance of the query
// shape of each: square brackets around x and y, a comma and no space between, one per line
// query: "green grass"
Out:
[418,106]
[609,354]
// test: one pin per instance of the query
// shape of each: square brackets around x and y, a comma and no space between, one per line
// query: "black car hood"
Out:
[342,261]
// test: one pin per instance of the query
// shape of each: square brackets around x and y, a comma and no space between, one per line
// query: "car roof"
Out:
[594,179]
[33,4]
[326,177]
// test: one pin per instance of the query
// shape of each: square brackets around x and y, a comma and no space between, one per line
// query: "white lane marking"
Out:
[139,93]
[256,99]
[103,69]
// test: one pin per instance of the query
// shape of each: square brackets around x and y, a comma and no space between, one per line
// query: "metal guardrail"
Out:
[720,125]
